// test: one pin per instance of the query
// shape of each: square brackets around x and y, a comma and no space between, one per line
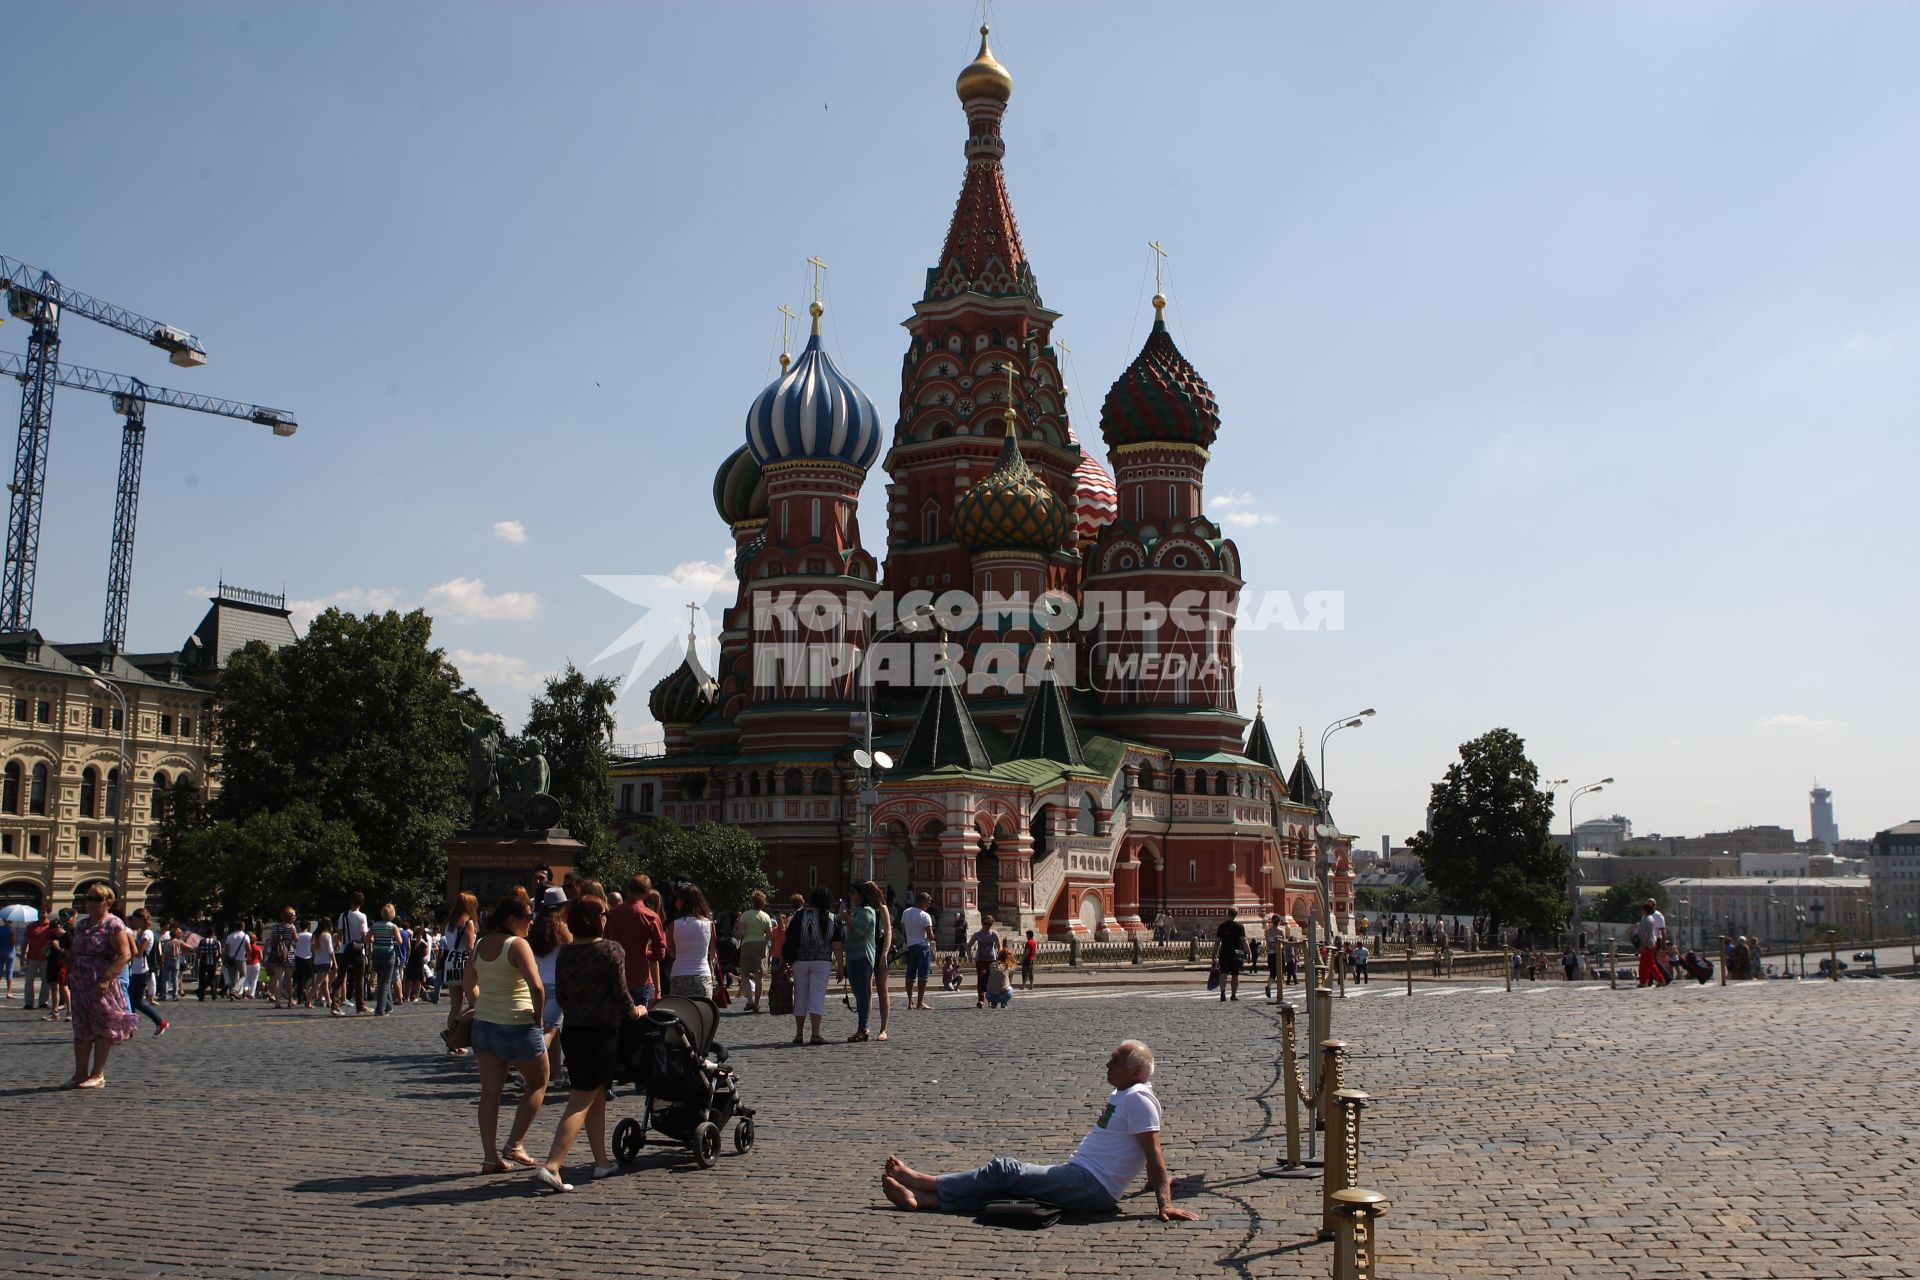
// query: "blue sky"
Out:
[1576,344]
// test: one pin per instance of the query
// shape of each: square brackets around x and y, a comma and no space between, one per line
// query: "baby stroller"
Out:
[691,1093]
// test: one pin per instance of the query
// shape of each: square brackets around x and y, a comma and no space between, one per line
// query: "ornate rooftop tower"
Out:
[979,320]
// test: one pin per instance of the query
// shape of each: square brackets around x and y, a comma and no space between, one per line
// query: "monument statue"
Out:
[507,780]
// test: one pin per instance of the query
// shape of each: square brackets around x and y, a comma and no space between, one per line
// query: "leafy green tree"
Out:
[1620,904]
[1489,851]
[292,857]
[359,718]
[180,885]
[573,722]
[727,862]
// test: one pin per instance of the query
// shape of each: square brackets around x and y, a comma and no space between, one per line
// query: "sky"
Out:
[1576,345]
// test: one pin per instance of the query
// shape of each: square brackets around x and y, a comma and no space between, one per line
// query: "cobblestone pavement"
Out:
[1765,1130]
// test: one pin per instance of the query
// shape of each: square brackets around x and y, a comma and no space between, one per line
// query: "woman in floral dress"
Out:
[102,946]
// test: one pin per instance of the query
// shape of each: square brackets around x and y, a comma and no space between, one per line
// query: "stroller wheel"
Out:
[743,1136]
[706,1144]
[627,1140]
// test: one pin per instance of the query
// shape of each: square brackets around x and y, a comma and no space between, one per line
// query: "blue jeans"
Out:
[1004,1178]
[860,974]
[137,1001]
[919,962]
[383,980]
[644,993]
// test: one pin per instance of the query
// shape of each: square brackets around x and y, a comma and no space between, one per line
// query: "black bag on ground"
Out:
[1027,1214]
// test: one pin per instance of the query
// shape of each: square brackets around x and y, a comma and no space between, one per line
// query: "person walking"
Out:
[862,924]
[146,944]
[503,985]
[9,952]
[38,933]
[384,938]
[636,926]
[208,954]
[282,949]
[590,981]
[1361,958]
[351,943]
[102,947]
[419,958]
[986,950]
[816,942]
[548,935]
[692,946]
[302,963]
[233,959]
[882,956]
[1230,950]
[462,926]
[753,928]
[256,957]
[323,959]
[1653,932]
[916,927]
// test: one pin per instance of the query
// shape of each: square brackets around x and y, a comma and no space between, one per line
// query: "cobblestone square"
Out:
[1746,1131]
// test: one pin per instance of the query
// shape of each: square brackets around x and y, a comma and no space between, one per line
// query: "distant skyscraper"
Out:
[1825,830]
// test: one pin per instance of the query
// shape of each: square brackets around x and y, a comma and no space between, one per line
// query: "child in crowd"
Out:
[950,974]
[1000,980]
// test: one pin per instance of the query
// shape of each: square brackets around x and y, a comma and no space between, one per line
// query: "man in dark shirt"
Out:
[1231,952]
[208,953]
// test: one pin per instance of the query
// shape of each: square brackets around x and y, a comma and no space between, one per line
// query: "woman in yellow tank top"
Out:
[503,984]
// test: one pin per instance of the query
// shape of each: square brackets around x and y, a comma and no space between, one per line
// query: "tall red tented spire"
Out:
[982,253]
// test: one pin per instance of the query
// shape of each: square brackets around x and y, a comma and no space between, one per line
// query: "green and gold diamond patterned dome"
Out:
[1011,509]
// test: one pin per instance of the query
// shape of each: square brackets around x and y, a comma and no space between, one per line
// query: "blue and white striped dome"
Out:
[814,411]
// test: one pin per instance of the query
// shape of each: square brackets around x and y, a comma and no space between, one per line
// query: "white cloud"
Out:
[201,593]
[351,599]
[1794,721]
[1239,508]
[498,669]
[510,531]
[1248,518]
[467,599]
[661,628]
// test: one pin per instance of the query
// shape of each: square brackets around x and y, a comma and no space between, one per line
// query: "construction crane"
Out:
[36,297]
[131,397]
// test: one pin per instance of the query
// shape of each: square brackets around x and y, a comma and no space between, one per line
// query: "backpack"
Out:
[281,953]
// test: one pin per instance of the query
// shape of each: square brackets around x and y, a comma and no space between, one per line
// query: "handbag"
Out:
[720,997]
[1213,975]
[460,1034]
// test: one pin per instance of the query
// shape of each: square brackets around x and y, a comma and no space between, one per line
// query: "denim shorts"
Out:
[919,962]
[513,1043]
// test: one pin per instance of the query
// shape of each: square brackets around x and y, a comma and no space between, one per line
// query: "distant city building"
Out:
[1598,870]
[1894,868]
[1811,859]
[1780,912]
[1824,828]
[1603,835]
[61,778]
[1739,840]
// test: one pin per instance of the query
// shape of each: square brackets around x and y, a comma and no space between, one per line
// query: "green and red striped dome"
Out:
[1161,398]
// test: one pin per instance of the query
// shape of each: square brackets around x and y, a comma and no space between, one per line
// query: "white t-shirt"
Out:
[142,944]
[236,946]
[692,936]
[353,928]
[1652,925]
[303,945]
[917,925]
[322,950]
[1111,1150]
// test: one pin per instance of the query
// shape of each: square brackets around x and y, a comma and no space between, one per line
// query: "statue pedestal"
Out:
[487,864]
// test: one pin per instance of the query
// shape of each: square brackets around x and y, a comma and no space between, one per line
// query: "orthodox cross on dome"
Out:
[786,336]
[1259,696]
[693,621]
[815,310]
[1303,734]
[1159,261]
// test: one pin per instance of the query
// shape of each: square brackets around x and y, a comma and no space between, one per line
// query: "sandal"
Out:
[519,1156]
[799,1039]
[92,1082]
[818,1040]
[858,1037]
[881,1036]
[494,1166]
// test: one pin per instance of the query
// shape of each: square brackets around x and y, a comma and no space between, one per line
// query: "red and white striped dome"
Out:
[1096,500]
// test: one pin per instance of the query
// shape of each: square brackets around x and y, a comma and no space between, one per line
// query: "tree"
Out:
[359,718]
[1489,851]
[292,857]
[179,885]
[727,862]
[1621,903]
[573,722]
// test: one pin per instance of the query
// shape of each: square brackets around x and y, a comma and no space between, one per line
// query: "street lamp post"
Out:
[872,765]
[120,788]
[1323,829]
[1800,940]
[1573,856]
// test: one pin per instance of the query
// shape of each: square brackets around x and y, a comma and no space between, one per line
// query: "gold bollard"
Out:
[1613,963]
[1506,954]
[1342,1169]
[1340,972]
[1356,1244]
[1293,1166]
[1833,955]
[1333,1063]
[1409,968]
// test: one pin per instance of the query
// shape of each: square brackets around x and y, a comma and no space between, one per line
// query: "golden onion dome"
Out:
[1011,509]
[984,77]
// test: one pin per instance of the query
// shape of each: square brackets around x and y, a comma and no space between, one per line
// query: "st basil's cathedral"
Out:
[1077,808]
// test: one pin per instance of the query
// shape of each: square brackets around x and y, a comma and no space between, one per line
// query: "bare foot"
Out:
[898,1194]
[895,1165]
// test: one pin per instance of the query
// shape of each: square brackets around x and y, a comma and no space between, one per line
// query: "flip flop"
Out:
[92,1082]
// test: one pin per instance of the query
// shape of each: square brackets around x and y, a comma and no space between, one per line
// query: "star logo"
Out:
[656,635]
